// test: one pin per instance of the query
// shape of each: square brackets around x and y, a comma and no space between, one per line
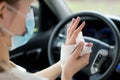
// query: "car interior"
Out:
[43,49]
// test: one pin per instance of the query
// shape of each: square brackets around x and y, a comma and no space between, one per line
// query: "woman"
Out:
[16,28]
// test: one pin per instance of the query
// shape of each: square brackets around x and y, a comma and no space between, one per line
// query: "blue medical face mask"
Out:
[18,41]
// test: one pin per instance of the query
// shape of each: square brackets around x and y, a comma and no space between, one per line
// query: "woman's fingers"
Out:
[68,29]
[73,31]
[73,20]
[84,60]
[69,26]
[74,26]
[89,44]
[78,50]
[77,31]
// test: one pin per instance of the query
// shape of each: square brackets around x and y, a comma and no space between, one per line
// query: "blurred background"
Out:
[104,6]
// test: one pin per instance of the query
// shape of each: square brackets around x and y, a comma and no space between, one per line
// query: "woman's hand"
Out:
[75,62]
[73,31]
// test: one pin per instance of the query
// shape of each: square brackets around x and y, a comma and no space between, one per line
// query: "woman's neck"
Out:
[4,53]
[6,68]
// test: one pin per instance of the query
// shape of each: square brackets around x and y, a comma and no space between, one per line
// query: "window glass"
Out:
[111,7]
[35,5]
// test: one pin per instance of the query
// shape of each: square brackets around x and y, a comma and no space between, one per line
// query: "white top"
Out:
[19,73]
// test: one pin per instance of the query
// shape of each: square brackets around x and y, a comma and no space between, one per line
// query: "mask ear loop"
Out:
[5,30]
[15,10]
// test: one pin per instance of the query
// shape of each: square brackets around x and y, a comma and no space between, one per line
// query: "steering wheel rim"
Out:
[107,21]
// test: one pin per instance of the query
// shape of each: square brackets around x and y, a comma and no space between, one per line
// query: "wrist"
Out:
[66,76]
[58,64]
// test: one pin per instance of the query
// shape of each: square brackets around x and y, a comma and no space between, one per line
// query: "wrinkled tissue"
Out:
[67,50]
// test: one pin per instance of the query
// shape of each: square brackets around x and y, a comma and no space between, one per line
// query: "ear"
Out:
[3,11]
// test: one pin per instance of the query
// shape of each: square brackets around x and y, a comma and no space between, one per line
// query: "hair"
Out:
[10,2]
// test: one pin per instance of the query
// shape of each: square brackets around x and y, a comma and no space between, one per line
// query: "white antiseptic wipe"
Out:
[19,73]
[67,50]
[86,49]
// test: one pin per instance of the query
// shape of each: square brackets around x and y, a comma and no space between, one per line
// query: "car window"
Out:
[35,3]
[36,7]
[111,7]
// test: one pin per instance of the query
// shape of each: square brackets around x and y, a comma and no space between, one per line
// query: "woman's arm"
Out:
[51,73]
[75,62]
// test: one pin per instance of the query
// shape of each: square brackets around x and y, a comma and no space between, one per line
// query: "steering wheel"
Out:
[101,51]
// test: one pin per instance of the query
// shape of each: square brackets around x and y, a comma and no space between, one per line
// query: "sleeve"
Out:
[18,67]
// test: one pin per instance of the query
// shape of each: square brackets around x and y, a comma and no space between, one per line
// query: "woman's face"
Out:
[13,17]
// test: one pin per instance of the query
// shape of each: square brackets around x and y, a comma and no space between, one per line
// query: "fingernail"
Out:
[78,17]
[84,22]
[89,44]
[73,18]
[92,44]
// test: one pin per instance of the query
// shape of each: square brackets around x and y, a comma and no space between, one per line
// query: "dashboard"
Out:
[104,34]
[99,30]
